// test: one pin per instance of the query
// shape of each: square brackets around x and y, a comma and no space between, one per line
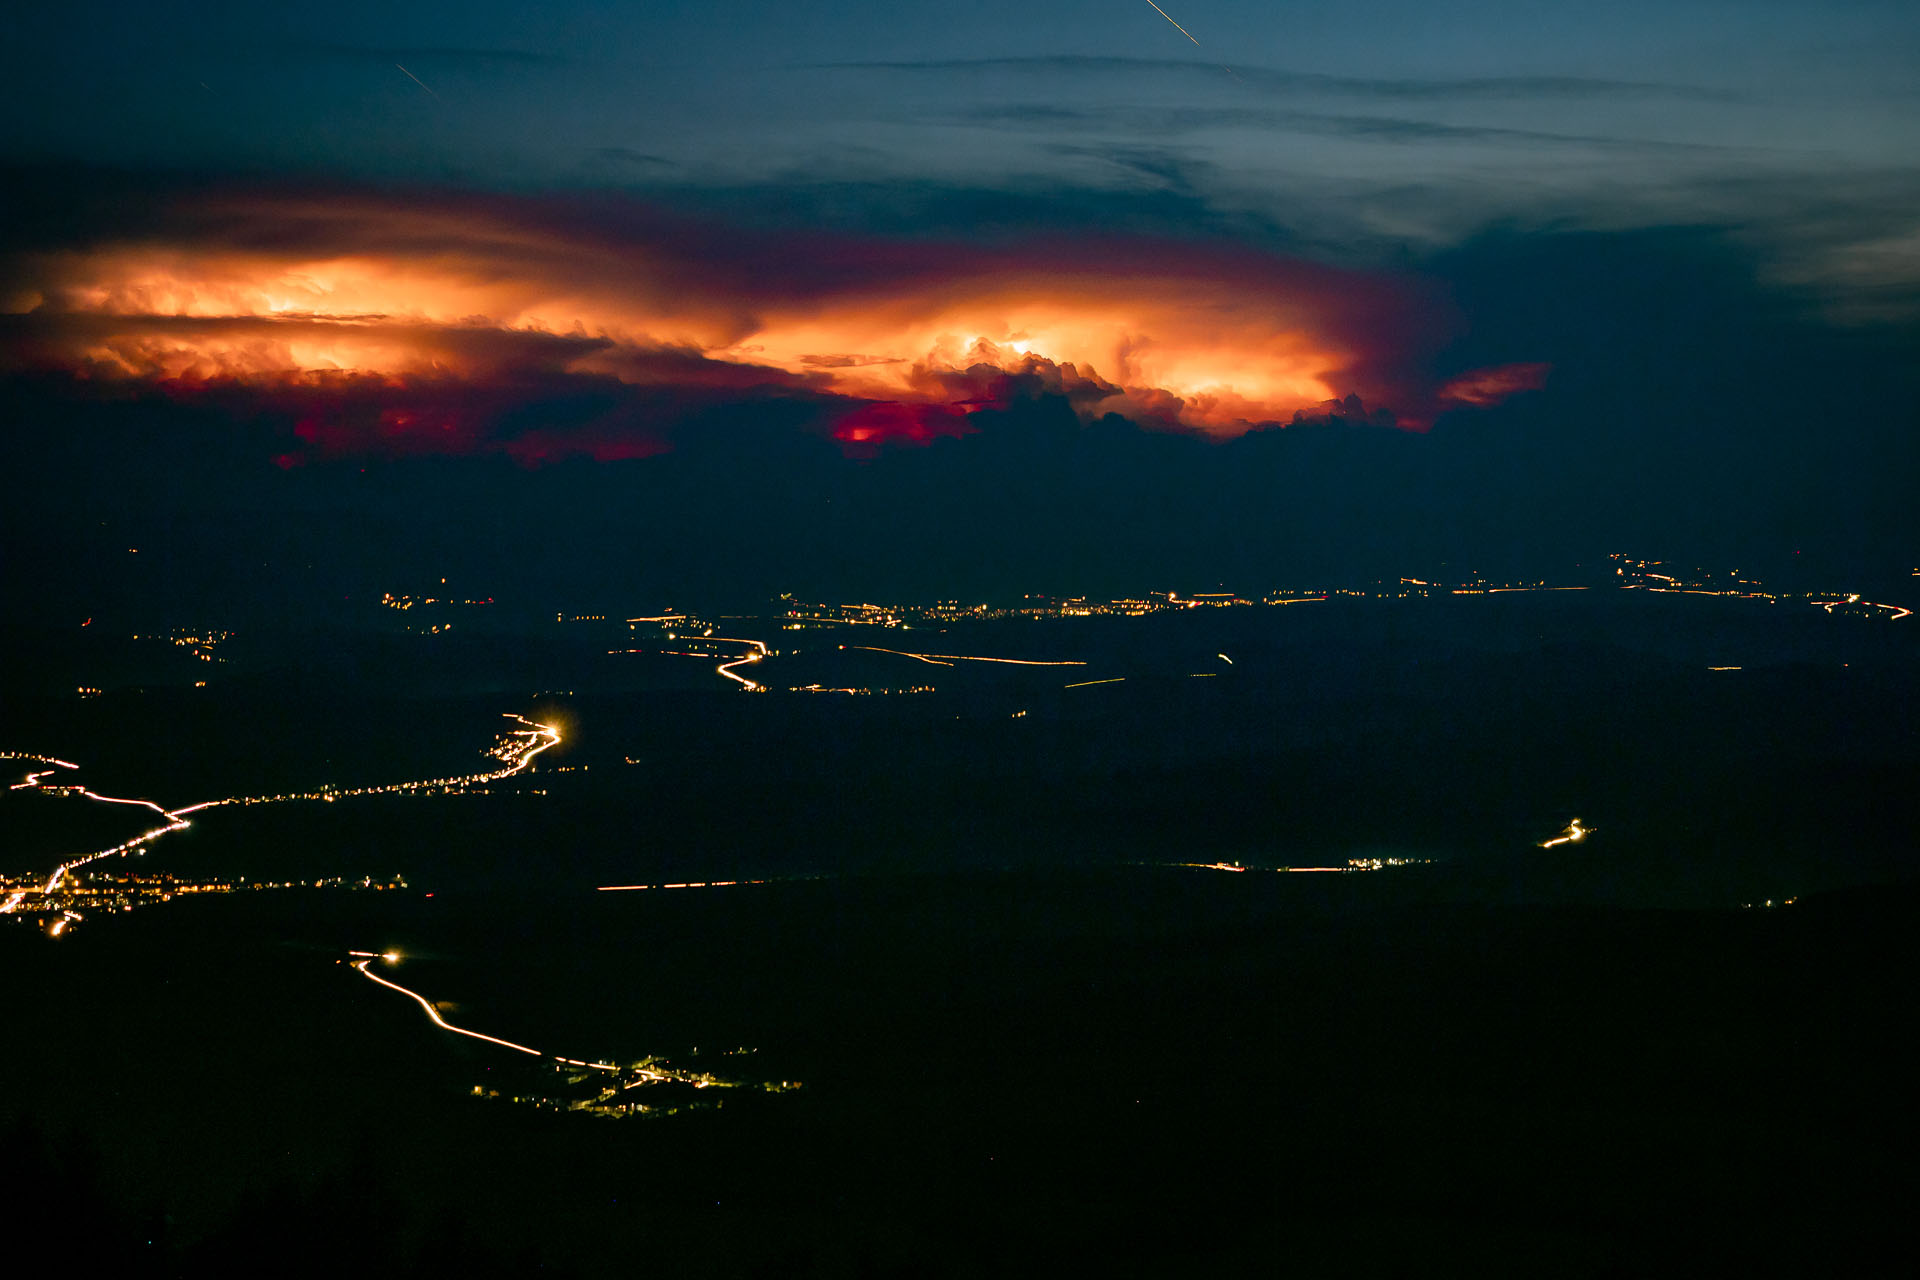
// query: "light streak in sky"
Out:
[1156,8]
[1572,835]
[422,83]
[948,659]
[1084,683]
[1189,35]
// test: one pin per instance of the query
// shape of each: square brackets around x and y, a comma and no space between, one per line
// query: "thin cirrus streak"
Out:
[447,311]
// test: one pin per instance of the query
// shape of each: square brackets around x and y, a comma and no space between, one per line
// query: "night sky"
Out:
[735,297]
[623,319]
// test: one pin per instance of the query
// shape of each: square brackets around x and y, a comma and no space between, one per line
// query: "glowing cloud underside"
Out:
[1210,340]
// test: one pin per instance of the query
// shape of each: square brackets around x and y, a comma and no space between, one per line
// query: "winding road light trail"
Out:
[443,1024]
[1572,835]
[726,668]
[948,659]
[648,1071]
[516,753]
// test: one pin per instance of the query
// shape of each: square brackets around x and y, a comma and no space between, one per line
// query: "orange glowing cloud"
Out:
[910,338]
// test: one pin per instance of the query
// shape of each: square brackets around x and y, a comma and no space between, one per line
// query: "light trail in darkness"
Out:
[756,653]
[1574,834]
[516,752]
[362,966]
[708,884]
[948,659]
[33,777]
[1898,611]
[622,1078]
[726,668]
[1353,866]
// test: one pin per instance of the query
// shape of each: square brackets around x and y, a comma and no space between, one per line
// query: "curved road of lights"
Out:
[366,958]
[1574,834]
[651,1071]
[516,752]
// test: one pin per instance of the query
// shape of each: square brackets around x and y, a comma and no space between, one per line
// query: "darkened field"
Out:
[1021,1072]
[1028,1044]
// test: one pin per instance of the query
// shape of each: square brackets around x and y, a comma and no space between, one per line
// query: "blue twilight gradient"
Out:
[1356,126]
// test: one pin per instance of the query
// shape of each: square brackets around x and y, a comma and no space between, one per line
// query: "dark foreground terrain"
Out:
[1186,1074]
[1029,1045]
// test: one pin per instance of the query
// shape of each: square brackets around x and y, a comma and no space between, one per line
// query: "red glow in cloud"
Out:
[464,309]
[865,429]
[1484,388]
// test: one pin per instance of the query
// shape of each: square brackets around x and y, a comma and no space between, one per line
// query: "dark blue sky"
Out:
[1624,276]
[1367,122]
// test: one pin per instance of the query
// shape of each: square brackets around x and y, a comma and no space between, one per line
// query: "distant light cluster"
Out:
[612,1090]
[691,635]
[1350,866]
[107,893]
[1640,575]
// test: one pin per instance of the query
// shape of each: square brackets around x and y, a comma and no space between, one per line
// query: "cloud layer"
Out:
[466,311]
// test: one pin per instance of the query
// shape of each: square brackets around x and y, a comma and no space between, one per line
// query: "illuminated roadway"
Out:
[368,957]
[1574,834]
[633,1076]
[726,668]
[948,659]
[516,752]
